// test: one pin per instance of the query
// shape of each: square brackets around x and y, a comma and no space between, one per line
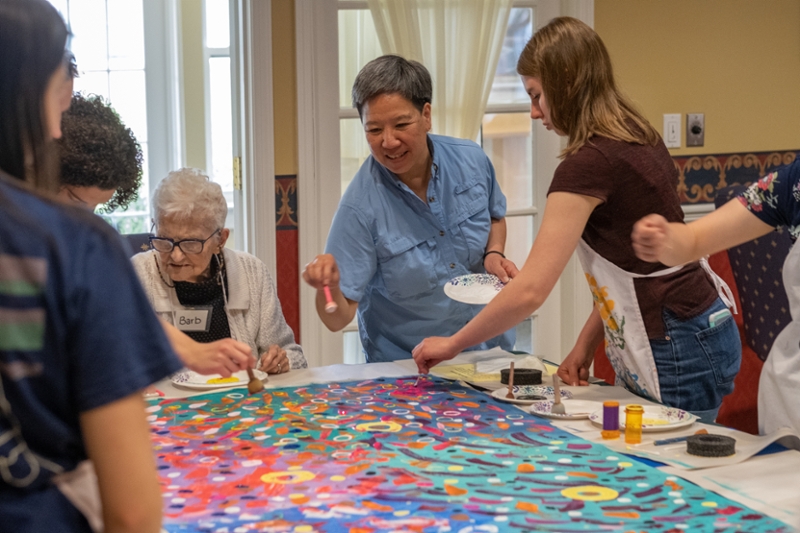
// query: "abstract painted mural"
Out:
[394,456]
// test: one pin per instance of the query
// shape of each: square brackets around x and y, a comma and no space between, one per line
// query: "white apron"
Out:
[80,487]
[779,385]
[627,343]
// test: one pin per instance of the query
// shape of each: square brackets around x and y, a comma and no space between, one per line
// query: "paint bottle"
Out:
[610,420]
[633,424]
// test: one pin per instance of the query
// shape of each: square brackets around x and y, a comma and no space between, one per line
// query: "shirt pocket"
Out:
[407,267]
[473,221]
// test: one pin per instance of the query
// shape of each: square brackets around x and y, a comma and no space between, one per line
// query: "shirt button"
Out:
[452,265]
[431,198]
[441,233]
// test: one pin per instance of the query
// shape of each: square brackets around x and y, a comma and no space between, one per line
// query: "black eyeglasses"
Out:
[187,246]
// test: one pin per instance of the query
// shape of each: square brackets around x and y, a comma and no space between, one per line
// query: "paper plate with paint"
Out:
[655,418]
[474,288]
[576,409]
[193,380]
[528,394]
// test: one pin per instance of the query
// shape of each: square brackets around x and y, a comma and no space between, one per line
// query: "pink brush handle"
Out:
[330,305]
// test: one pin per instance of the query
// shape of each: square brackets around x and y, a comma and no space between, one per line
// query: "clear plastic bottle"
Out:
[610,420]
[633,424]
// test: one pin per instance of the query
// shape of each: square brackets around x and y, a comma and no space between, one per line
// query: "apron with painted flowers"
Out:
[627,343]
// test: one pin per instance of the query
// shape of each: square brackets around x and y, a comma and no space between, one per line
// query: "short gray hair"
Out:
[188,194]
[392,74]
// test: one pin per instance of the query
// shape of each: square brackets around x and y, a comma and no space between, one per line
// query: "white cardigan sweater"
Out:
[254,311]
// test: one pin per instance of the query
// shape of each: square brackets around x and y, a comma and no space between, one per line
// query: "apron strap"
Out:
[725,293]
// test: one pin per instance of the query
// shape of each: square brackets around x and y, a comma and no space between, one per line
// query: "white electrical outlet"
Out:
[672,130]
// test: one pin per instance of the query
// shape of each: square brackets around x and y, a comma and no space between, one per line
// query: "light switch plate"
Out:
[672,130]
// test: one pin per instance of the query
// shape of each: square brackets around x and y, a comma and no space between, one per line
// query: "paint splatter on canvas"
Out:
[386,455]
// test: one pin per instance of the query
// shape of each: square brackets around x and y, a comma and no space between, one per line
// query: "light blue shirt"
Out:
[395,252]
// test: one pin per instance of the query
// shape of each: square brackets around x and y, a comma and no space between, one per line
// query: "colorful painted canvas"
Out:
[389,455]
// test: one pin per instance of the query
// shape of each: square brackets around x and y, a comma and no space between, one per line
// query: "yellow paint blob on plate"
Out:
[219,381]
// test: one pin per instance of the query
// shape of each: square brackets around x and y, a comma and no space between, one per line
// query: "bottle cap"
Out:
[633,408]
[610,403]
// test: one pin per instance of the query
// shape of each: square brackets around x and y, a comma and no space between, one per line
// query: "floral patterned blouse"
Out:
[775,198]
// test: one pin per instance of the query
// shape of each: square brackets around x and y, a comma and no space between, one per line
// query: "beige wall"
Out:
[193,84]
[284,78]
[737,61]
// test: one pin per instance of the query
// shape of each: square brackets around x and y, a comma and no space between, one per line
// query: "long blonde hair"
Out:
[574,68]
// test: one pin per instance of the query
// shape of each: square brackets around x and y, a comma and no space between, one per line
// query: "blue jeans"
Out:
[696,363]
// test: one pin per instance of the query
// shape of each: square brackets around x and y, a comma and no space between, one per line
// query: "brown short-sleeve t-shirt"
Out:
[632,181]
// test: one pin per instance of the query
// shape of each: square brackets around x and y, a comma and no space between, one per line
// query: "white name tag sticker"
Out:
[193,319]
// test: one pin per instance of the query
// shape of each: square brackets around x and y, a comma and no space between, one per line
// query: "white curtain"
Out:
[459,41]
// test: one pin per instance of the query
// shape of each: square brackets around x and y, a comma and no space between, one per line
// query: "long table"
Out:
[766,483]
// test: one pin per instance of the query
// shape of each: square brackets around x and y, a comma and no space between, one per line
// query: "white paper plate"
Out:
[474,288]
[193,380]
[528,390]
[655,418]
[576,409]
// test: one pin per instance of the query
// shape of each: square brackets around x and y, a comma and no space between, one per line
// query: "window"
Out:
[217,75]
[123,54]
[108,43]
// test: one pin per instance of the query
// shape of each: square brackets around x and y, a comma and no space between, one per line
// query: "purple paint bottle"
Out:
[610,420]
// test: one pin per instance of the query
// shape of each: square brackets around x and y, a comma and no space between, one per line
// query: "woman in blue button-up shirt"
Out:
[421,210]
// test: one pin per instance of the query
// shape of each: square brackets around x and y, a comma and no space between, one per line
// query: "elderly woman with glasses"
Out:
[204,289]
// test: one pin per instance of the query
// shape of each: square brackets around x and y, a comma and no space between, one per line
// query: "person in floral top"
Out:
[772,201]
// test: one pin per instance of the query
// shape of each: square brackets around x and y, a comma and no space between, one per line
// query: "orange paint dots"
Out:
[672,485]
[355,469]
[460,517]
[526,467]
[476,452]
[377,507]
[360,530]
[614,514]
[453,490]
[527,506]
[503,425]
[582,474]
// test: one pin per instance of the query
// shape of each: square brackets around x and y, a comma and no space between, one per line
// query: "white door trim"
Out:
[318,171]
[251,59]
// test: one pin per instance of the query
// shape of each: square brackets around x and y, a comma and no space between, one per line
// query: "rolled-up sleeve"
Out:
[352,245]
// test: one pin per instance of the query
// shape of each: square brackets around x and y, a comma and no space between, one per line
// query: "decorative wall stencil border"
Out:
[286,202]
[699,176]
[287,262]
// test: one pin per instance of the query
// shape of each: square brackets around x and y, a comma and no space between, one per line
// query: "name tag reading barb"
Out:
[196,319]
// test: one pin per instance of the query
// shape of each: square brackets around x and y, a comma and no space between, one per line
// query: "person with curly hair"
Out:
[101,160]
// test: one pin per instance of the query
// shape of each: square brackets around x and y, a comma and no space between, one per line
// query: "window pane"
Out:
[519,238]
[92,82]
[219,74]
[354,148]
[127,97]
[90,35]
[507,140]
[525,336]
[507,87]
[358,45]
[353,353]
[217,24]
[125,35]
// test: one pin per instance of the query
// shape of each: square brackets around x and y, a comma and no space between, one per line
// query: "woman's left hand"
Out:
[274,361]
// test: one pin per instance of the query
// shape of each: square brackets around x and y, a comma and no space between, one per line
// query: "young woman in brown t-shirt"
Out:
[667,333]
